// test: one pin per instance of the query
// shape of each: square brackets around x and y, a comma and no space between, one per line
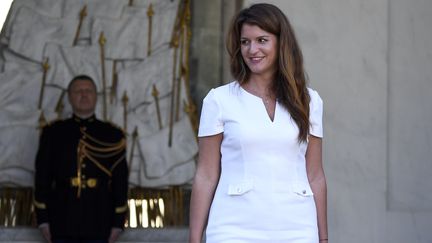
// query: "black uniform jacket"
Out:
[81,179]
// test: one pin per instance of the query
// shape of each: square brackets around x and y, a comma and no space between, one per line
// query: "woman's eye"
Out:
[262,40]
[244,42]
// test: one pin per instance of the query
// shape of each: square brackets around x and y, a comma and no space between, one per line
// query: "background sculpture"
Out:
[137,52]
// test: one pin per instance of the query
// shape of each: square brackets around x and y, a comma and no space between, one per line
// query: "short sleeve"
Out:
[211,116]
[315,114]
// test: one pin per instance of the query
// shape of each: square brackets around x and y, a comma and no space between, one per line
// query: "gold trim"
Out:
[119,146]
[97,163]
[39,205]
[106,144]
[106,155]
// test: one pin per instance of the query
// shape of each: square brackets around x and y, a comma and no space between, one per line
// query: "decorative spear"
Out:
[155,94]
[183,27]
[179,78]
[190,109]
[179,16]
[59,106]
[82,15]
[113,93]
[134,138]
[102,41]
[174,44]
[125,100]
[42,121]
[45,67]
[187,46]
[150,14]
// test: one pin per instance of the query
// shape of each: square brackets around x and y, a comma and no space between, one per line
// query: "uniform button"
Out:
[84,128]
[84,137]
[304,191]
[83,186]
[83,165]
[83,176]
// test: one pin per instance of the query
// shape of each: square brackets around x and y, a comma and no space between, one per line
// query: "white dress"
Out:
[263,194]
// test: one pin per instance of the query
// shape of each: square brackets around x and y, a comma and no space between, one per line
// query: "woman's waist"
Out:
[261,184]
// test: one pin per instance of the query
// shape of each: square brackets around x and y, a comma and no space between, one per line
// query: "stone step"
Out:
[165,235]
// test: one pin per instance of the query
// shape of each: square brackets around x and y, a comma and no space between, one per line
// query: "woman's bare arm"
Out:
[318,183]
[204,185]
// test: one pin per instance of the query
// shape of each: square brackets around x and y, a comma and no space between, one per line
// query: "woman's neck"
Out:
[261,87]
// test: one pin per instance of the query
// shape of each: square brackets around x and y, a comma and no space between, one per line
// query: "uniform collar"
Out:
[87,120]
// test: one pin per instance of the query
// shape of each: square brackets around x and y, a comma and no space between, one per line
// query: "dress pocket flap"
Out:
[303,190]
[240,188]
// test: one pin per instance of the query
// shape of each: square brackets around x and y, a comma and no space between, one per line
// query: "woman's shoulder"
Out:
[228,87]
[225,90]
[314,95]
[315,98]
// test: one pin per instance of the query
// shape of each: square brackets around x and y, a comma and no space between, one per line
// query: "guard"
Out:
[81,179]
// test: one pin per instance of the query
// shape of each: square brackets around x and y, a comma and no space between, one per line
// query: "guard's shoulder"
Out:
[113,127]
[58,122]
[56,126]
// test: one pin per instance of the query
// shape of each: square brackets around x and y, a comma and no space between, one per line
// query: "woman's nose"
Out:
[253,48]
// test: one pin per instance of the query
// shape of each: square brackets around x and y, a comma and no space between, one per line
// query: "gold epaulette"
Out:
[52,122]
[121,209]
[39,205]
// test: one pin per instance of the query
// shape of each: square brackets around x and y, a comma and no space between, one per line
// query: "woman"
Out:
[260,176]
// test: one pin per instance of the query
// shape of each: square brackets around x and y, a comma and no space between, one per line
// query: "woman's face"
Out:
[259,50]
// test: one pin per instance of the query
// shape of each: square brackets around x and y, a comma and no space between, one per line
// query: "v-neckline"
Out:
[260,100]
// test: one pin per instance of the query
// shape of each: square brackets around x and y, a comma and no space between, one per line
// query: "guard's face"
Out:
[83,97]
[259,50]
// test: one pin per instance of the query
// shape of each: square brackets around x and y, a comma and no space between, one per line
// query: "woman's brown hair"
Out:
[289,84]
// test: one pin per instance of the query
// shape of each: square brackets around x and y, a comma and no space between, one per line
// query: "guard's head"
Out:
[82,95]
